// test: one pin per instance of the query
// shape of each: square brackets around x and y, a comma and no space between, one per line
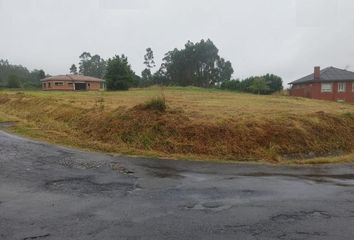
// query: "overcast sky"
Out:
[284,37]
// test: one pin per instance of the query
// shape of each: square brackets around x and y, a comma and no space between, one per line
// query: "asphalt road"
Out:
[50,192]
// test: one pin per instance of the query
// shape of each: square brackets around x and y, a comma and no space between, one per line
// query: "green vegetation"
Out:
[156,103]
[266,84]
[16,76]
[205,124]
[198,64]
[89,65]
[13,82]
[73,69]
[119,75]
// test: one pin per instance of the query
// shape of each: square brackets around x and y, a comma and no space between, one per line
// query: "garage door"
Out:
[80,86]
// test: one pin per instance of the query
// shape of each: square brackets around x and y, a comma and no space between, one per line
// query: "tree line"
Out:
[196,64]
[266,84]
[17,76]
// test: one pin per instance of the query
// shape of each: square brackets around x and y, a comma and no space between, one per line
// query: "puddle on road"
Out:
[87,186]
[336,179]
[163,172]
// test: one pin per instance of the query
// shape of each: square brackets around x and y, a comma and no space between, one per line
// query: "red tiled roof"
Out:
[73,77]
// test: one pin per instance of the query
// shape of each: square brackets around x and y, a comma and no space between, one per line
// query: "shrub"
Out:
[156,103]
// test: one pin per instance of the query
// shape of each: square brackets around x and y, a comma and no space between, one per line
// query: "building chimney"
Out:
[317,73]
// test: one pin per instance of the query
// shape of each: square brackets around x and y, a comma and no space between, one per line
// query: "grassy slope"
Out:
[199,124]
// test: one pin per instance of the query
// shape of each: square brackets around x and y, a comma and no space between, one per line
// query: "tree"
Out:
[119,75]
[93,66]
[73,69]
[146,75]
[233,85]
[198,64]
[149,58]
[33,81]
[259,85]
[13,82]
[275,82]
[253,84]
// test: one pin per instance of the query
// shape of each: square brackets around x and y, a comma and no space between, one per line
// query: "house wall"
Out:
[68,86]
[313,90]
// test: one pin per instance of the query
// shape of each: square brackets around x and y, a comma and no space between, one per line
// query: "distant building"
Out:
[73,83]
[331,84]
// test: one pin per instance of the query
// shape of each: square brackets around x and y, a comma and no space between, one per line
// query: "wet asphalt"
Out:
[50,192]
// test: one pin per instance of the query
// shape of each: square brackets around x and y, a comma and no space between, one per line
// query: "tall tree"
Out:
[149,60]
[198,64]
[119,75]
[73,69]
[146,75]
[93,66]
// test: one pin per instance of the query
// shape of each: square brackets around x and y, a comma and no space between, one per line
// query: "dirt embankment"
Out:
[172,133]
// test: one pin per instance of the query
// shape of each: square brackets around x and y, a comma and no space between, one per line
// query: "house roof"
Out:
[330,74]
[73,77]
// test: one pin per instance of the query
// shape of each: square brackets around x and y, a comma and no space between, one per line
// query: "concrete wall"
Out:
[313,90]
[69,86]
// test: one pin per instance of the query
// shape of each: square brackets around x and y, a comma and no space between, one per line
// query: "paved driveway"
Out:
[49,192]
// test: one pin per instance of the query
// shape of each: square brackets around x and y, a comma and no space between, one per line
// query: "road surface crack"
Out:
[37,237]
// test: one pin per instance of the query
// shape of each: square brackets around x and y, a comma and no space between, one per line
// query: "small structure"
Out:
[73,83]
[331,84]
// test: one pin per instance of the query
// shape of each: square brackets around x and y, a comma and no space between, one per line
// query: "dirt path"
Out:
[50,192]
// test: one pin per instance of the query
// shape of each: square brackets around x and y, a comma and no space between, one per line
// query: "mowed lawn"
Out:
[201,124]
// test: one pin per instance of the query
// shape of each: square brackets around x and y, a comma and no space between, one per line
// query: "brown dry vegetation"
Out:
[198,123]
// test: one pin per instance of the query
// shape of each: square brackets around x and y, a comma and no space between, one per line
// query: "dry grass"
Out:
[198,123]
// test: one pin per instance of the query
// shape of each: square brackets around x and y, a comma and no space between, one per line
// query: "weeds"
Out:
[156,104]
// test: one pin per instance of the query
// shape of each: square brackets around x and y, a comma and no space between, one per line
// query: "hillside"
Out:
[198,124]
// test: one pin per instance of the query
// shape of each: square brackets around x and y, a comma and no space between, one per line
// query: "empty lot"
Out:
[198,124]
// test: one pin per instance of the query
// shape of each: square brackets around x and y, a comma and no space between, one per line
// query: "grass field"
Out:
[198,124]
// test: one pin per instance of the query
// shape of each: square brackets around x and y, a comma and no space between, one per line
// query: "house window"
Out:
[341,87]
[88,85]
[353,86]
[44,85]
[326,87]
[59,84]
[49,85]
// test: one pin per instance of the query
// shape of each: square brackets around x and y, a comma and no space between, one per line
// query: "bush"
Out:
[156,103]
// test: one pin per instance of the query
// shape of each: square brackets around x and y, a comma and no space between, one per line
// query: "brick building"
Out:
[331,84]
[72,83]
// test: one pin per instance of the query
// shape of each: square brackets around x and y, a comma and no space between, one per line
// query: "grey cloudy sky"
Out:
[285,37]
